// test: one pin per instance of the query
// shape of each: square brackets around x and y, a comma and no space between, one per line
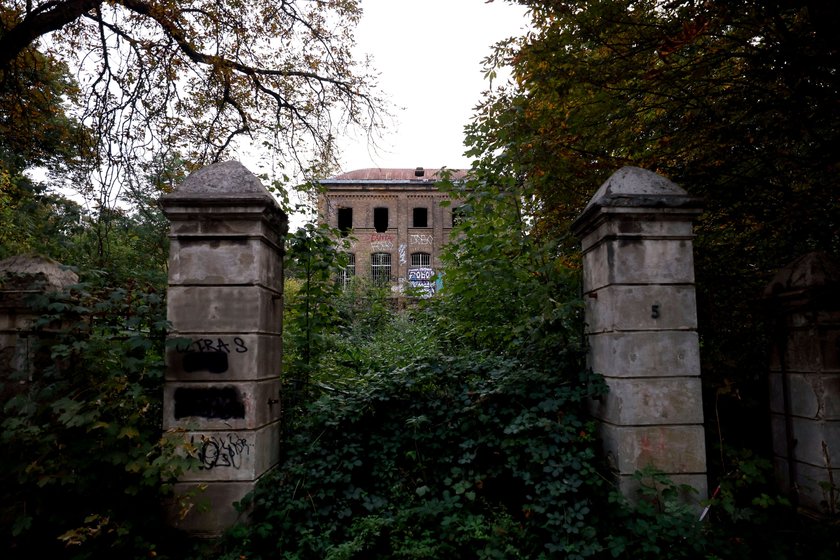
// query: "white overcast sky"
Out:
[428,54]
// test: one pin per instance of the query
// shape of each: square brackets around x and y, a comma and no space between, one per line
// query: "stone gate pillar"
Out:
[804,381]
[22,276]
[641,326]
[225,305]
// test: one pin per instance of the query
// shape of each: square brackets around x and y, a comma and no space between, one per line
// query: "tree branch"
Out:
[145,9]
[37,23]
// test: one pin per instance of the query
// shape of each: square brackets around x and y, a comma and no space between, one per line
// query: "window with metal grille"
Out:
[349,270]
[380,268]
[421,217]
[421,259]
[380,219]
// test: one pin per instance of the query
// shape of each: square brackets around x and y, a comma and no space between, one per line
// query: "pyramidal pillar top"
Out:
[225,305]
[641,326]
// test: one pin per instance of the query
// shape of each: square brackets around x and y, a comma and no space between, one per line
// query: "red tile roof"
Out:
[381,174]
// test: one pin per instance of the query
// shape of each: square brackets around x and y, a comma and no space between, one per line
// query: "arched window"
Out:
[380,268]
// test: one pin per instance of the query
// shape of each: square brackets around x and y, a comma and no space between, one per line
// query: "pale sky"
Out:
[428,54]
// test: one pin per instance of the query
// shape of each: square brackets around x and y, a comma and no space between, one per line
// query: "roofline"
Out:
[382,181]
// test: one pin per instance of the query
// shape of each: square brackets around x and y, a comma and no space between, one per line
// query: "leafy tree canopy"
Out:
[193,76]
[734,100]
[35,130]
[38,131]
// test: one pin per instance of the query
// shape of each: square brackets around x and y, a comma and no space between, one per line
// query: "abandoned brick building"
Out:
[394,222]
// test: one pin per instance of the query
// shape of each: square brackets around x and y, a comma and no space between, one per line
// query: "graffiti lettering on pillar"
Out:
[219,345]
[209,354]
[402,253]
[208,402]
[421,239]
[221,451]
[381,242]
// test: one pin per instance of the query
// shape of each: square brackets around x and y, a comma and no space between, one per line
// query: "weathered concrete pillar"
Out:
[804,381]
[225,303]
[22,276]
[641,325]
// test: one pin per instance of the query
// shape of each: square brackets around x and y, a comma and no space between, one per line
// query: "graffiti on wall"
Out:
[422,279]
[221,451]
[402,253]
[208,402]
[235,344]
[426,239]
[207,354]
[381,242]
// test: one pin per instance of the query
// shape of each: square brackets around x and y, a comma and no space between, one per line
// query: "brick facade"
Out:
[394,222]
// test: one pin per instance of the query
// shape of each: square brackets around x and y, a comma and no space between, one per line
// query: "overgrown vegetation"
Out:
[733,100]
[87,467]
[445,458]
[456,428]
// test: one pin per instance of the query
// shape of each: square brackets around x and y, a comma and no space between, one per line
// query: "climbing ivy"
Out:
[452,457]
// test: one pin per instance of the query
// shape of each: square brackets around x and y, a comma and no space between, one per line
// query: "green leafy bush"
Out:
[87,463]
[310,316]
[373,335]
[455,457]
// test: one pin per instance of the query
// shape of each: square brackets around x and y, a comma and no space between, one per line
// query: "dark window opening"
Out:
[345,220]
[421,217]
[380,219]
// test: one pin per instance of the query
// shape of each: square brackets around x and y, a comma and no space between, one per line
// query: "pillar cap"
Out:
[228,177]
[810,272]
[33,271]
[223,191]
[636,188]
[219,184]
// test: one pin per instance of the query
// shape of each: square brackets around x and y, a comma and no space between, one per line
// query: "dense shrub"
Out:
[462,457]
[86,464]
[374,334]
